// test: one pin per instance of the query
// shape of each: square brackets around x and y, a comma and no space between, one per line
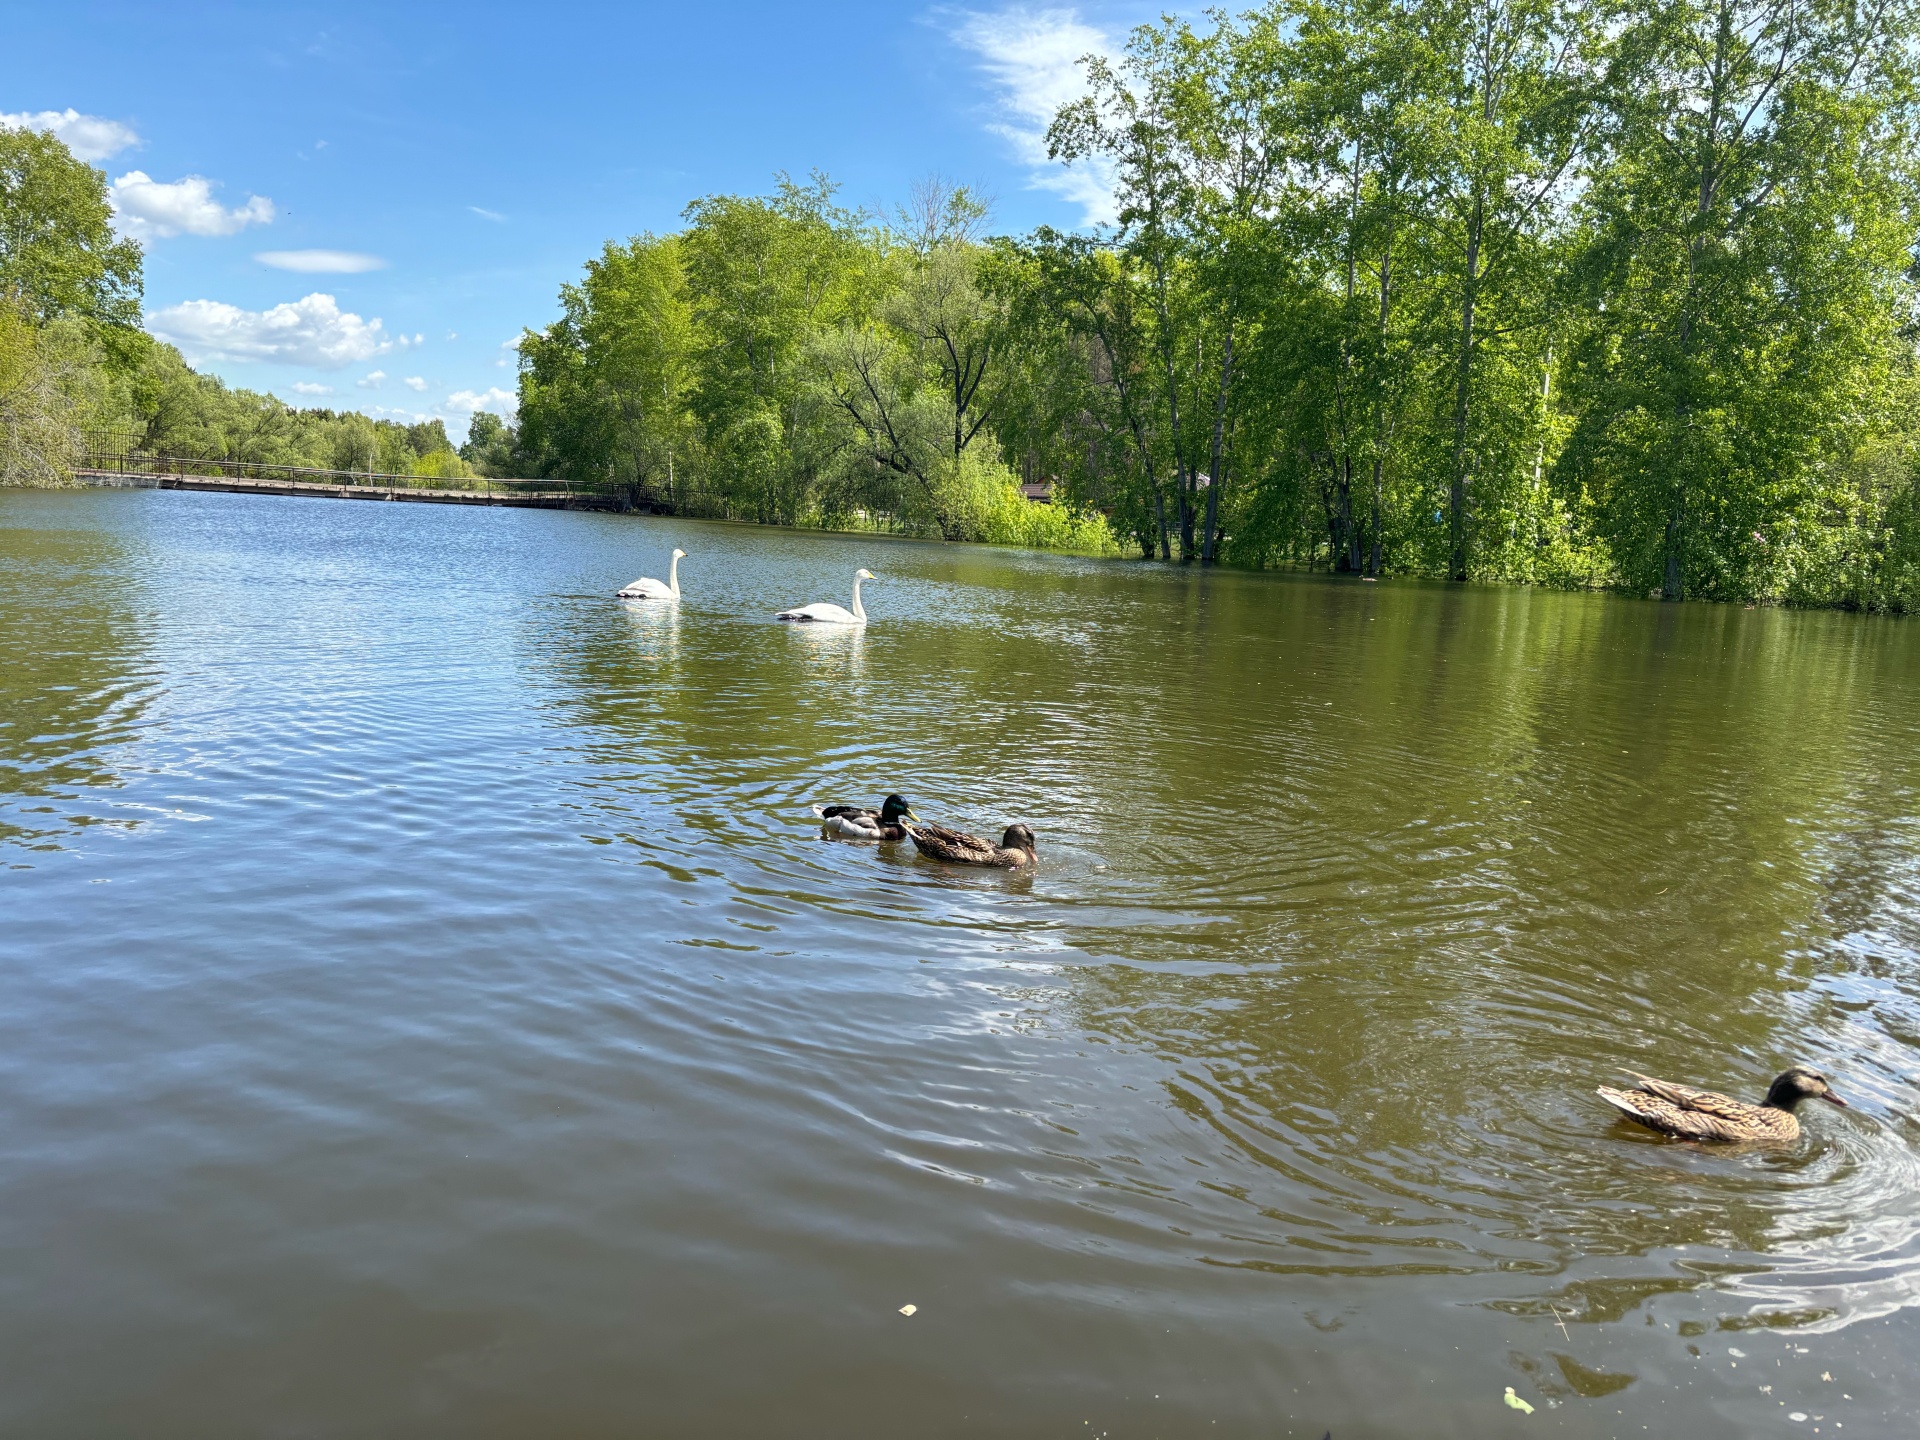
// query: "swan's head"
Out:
[679,554]
[863,574]
[893,807]
[1018,837]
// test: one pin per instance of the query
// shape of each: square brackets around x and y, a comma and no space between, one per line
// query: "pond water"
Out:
[427,1007]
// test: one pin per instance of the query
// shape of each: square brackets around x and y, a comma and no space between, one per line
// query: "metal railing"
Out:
[133,462]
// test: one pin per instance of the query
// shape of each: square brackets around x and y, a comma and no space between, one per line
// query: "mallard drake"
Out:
[855,822]
[1703,1115]
[1015,850]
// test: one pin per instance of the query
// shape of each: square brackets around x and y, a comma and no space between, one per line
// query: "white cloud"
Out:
[90,137]
[321,262]
[307,387]
[1032,59]
[313,331]
[466,402]
[372,380]
[414,382]
[493,215]
[149,207]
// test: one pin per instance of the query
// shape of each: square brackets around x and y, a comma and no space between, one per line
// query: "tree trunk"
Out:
[1469,298]
[1672,587]
[1376,556]
[1349,532]
[1463,399]
[1186,513]
[1673,583]
[1216,459]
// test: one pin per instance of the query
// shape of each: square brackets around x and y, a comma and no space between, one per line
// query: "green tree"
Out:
[58,253]
[491,444]
[1521,105]
[1749,234]
[39,436]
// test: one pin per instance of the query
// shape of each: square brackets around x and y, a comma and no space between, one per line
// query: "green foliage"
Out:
[39,439]
[1745,248]
[492,445]
[441,465]
[1006,517]
[58,254]
[788,361]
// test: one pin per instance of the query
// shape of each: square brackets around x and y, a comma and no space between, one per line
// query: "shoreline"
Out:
[298,489]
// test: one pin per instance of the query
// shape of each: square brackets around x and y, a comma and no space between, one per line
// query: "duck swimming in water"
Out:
[1014,852]
[854,822]
[1691,1114]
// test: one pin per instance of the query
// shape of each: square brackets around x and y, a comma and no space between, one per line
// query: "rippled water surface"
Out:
[427,1007]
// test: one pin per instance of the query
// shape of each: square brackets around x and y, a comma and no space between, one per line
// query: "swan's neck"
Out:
[858,613]
[673,577]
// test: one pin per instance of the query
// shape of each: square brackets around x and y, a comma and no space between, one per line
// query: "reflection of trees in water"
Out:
[74,684]
[1491,847]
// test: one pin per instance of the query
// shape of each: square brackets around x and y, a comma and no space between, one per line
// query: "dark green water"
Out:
[427,1007]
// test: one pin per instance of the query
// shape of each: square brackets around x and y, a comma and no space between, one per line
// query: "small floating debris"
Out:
[1514,1402]
[908,1309]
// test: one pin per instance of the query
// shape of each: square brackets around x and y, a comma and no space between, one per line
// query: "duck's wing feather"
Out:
[1704,1102]
[827,812]
[941,843]
[1656,1112]
[1689,1122]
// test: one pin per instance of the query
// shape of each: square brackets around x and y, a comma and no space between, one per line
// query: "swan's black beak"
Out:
[1833,1099]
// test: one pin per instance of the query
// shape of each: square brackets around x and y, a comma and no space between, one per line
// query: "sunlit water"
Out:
[430,1010]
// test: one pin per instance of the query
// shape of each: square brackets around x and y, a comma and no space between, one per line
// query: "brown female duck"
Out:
[1014,852]
[1703,1115]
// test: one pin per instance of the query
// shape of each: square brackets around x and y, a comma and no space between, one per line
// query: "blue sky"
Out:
[422,178]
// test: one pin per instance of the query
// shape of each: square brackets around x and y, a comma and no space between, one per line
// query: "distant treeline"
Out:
[1558,291]
[78,374]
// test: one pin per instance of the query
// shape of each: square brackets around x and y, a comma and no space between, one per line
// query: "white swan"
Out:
[647,588]
[825,614]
